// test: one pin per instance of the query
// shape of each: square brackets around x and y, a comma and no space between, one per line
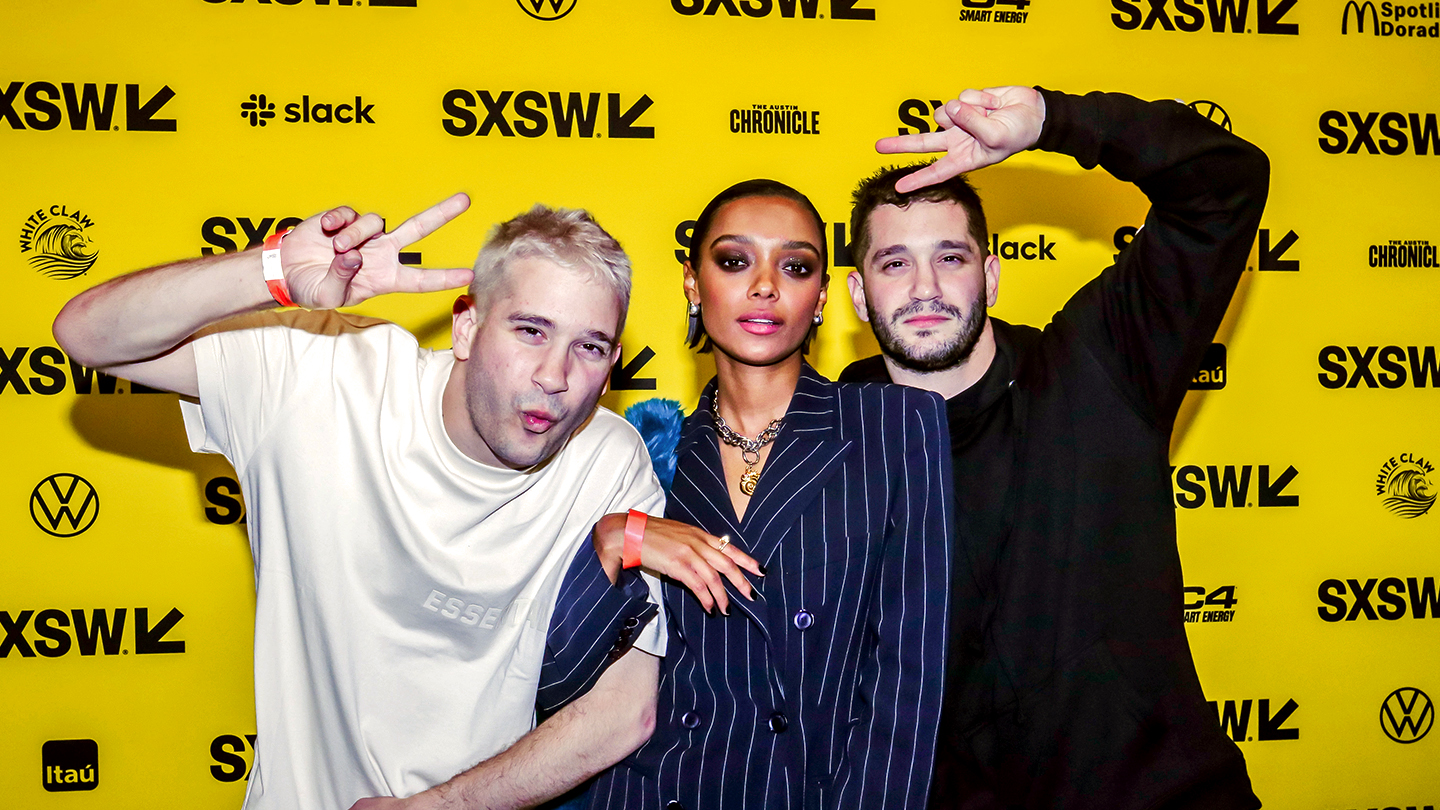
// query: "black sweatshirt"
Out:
[1070,682]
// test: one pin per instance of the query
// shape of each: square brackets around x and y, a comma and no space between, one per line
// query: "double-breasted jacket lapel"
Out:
[807,452]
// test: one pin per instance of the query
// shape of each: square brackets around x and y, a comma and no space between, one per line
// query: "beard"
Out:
[948,354]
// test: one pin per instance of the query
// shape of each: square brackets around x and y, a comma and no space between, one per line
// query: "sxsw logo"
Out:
[224,505]
[1394,371]
[70,765]
[1211,376]
[336,3]
[228,752]
[1398,133]
[530,114]
[840,255]
[1390,593]
[547,9]
[1223,16]
[1355,13]
[1234,719]
[260,111]
[48,368]
[809,9]
[1270,257]
[1229,486]
[217,232]
[102,631]
[1406,715]
[86,106]
[64,505]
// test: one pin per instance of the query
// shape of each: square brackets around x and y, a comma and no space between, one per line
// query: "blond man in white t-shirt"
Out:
[418,519]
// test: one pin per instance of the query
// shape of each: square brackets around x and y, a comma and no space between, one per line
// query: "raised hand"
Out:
[978,129]
[682,552]
[340,258]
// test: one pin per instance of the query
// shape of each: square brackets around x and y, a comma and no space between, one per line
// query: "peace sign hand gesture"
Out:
[340,258]
[978,129]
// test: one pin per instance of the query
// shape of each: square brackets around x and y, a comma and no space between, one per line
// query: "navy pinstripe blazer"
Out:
[825,691]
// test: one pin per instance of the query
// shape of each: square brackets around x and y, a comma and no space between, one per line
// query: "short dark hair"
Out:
[879,189]
[759,187]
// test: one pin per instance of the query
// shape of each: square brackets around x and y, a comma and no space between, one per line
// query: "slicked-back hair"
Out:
[759,187]
[879,189]
[569,237]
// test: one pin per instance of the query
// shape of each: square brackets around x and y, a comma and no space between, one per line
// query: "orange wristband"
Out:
[634,534]
[274,276]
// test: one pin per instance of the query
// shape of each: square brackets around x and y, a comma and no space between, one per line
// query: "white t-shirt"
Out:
[404,590]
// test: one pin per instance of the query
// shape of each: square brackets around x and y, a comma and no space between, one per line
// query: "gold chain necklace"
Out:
[749,448]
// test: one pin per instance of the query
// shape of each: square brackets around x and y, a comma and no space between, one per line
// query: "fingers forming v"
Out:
[430,220]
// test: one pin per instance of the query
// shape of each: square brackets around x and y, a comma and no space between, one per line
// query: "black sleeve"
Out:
[593,625]
[1149,318]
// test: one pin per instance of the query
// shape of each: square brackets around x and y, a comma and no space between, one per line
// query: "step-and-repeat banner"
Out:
[136,132]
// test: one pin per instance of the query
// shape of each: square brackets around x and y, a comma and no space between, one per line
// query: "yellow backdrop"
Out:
[138,132]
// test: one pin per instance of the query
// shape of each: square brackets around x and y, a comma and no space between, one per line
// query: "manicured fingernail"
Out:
[763,569]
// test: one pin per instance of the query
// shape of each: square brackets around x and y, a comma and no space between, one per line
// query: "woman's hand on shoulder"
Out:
[690,556]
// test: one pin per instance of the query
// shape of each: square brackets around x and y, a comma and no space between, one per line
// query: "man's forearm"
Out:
[598,730]
[145,314]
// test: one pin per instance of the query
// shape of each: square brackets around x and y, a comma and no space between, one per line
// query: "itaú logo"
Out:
[1407,715]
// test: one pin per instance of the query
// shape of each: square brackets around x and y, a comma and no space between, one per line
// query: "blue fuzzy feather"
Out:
[658,421]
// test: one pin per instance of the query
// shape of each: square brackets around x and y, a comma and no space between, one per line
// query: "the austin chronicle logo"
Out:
[54,242]
[1407,715]
[1404,485]
[64,505]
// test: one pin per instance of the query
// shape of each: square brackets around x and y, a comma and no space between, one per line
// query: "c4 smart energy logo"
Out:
[995,11]
[38,105]
[1391,19]
[1218,16]
[1206,606]
[547,9]
[1405,486]
[54,241]
[1407,715]
[64,505]
[70,765]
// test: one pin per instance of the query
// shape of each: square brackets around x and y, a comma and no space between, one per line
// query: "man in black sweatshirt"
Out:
[1070,682]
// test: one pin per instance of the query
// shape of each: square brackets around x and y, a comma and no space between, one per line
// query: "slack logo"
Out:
[259,110]
[70,765]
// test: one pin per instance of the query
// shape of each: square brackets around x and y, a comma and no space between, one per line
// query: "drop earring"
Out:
[819,318]
[692,333]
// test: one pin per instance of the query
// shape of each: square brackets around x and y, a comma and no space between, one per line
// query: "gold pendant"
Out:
[748,480]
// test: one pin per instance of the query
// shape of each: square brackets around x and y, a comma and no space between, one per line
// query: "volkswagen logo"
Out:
[547,9]
[1406,715]
[1212,111]
[64,505]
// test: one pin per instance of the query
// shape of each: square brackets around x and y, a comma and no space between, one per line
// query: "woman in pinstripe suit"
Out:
[820,687]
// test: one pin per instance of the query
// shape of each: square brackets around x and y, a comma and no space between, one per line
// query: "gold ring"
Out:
[724,541]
